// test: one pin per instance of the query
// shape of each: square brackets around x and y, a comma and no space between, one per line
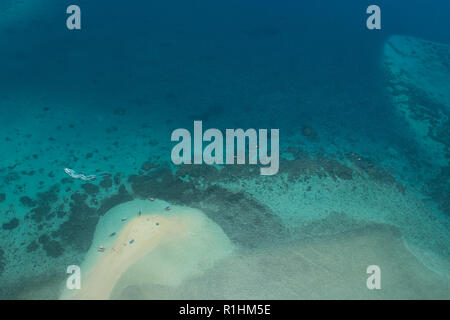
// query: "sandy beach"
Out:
[174,230]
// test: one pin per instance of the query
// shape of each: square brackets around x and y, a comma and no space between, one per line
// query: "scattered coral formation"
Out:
[12,224]
[2,260]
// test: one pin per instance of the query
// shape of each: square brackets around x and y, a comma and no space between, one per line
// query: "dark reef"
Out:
[43,205]
[121,196]
[2,261]
[305,167]
[78,231]
[90,188]
[40,213]
[244,220]
[106,183]
[32,246]
[12,224]
[309,133]
[27,201]
[53,248]
[439,187]
[147,166]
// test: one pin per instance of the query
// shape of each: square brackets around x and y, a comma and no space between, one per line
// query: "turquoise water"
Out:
[104,101]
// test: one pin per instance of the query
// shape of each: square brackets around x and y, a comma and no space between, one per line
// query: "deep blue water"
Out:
[235,51]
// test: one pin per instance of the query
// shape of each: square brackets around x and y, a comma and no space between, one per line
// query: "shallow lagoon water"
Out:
[354,142]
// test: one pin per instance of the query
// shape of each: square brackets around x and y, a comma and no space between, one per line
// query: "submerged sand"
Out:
[182,254]
[328,268]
